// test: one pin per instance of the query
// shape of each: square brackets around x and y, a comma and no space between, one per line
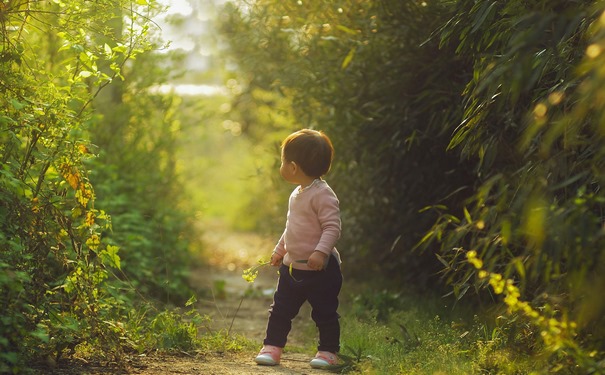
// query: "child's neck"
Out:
[306,181]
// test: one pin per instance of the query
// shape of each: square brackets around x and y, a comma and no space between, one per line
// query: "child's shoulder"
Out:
[324,189]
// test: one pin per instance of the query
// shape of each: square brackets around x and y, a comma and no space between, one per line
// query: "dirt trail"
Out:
[234,305]
[240,307]
[228,254]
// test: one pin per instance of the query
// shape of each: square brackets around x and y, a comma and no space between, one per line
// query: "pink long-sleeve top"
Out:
[313,223]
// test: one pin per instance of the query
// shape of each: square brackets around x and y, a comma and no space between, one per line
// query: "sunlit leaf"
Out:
[467,216]
[110,256]
[120,48]
[519,267]
[347,60]
[535,220]
[191,301]
[17,104]
[394,244]
[346,29]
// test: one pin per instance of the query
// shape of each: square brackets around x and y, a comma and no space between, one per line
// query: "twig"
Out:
[234,315]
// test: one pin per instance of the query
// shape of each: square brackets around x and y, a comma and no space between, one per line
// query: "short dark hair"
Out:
[311,150]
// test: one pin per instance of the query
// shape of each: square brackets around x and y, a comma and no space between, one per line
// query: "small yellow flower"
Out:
[511,300]
[93,242]
[250,274]
[478,263]
[90,219]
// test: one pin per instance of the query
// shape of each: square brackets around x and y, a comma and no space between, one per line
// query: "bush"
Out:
[58,260]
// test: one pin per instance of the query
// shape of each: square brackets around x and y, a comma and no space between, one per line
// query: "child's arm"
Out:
[279,251]
[328,214]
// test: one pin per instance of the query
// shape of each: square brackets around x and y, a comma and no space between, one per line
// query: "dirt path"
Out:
[240,307]
[234,305]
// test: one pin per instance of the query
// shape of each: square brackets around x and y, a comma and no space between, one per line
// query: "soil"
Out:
[234,305]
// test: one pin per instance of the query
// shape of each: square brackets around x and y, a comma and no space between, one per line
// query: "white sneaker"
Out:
[269,355]
[324,360]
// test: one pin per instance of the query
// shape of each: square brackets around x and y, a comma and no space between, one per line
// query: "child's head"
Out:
[311,150]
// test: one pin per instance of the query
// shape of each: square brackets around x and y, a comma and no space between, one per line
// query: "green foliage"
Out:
[386,95]
[537,213]
[134,135]
[14,327]
[136,180]
[457,125]
[168,330]
[58,262]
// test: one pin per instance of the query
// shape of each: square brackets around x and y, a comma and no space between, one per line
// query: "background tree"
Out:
[371,75]
[136,133]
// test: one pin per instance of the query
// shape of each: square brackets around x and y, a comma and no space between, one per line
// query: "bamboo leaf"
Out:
[482,15]
[467,216]
[443,261]
[520,267]
[348,58]
[462,291]
[394,244]
[346,29]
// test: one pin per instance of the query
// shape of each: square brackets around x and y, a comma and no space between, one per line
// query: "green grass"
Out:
[388,333]
[383,333]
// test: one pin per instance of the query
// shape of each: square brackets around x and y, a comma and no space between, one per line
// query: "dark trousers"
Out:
[321,289]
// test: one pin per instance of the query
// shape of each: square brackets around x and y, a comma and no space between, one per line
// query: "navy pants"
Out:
[321,289]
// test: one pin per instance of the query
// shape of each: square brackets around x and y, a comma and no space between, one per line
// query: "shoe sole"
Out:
[322,366]
[265,362]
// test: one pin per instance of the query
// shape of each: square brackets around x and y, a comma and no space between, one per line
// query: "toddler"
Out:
[310,264]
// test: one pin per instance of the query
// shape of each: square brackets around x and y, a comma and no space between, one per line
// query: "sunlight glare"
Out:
[190,90]
[181,7]
[233,126]
[185,44]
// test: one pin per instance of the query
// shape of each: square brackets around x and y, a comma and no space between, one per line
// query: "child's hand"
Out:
[317,261]
[276,259]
